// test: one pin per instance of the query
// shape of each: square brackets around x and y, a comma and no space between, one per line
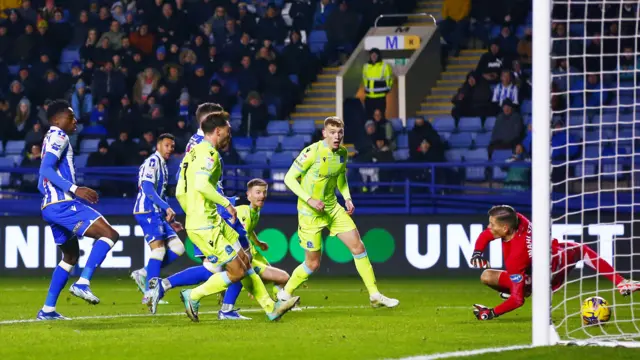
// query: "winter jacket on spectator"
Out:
[108,83]
[34,136]
[142,40]
[509,127]
[23,118]
[217,95]
[247,21]
[122,150]
[80,29]
[230,156]
[28,13]
[113,36]
[53,87]
[272,26]
[424,131]
[339,26]
[169,26]
[212,63]
[227,79]
[182,134]
[146,83]
[254,116]
[247,78]
[117,12]
[16,93]
[490,63]
[103,52]
[81,101]
[198,84]
[6,42]
[384,129]
[525,46]
[508,43]
[323,10]
[25,46]
[297,59]
[29,82]
[628,65]
[173,80]
[60,28]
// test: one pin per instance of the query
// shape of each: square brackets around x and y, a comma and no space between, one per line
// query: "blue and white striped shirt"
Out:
[195,140]
[502,92]
[154,170]
[56,142]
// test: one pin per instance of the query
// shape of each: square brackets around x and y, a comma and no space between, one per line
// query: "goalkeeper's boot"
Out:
[626,287]
[84,292]
[379,300]
[140,279]
[231,315]
[52,315]
[155,293]
[190,306]
[282,307]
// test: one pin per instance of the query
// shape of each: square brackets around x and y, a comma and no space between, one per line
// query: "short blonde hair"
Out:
[333,120]
[256,182]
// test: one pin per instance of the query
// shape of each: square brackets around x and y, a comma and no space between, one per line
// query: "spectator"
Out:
[505,90]
[272,26]
[146,83]
[521,81]
[32,159]
[16,93]
[297,59]
[23,118]
[97,121]
[218,20]
[104,19]
[6,122]
[148,141]
[627,64]
[246,20]
[108,83]
[254,116]
[103,158]
[59,28]
[378,81]
[24,46]
[508,129]
[80,29]
[87,51]
[184,108]
[40,69]
[6,42]
[366,143]
[170,28]
[114,36]
[117,12]
[525,48]
[508,43]
[473,98]
[323,10]
[490,64]
[564,75]
[382,154]
[591,91]
[455,23]
[81,102]
[228,79]
[122,149]
[340,34]
[182,134]
[279,89]
[247,77]
[142,40]
[173,80]
[518,177]
[103,52]
[27,13]
[423,132]
[384,129]
[35,135]
[216,95]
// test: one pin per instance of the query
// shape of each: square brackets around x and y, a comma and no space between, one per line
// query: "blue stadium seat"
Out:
[5,177]
[592,151]
[489,123]
[460,140]
[445,136]
[454,155]
[242,143]
[396,124]
[402,141]
[14,147]
[267,143]
[278,127]
[444,124]
[586,168]
[498,173]
[470,124]
[501,155]
[526,107]
[482,140]
[283,159]
[173,163]
[17,159]
[293,143]
[411,122]
[303,127]
[80,160]
[317,40]
[258,158]
[401,154]
[235,124]
[88,146]
[476,173]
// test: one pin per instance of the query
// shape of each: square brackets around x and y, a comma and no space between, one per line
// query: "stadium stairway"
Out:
[433,7]
[438,102]
[320,98]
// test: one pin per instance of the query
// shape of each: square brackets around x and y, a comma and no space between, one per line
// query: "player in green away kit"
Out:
[321,168]
[196,191]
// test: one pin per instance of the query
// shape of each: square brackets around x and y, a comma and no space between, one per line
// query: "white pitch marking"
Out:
[467,353]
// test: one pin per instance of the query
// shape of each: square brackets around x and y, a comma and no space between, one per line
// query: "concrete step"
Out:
[321,92]
[462,67]
[436,106]
[324,85]
[467,60]
[448,82]
[331,70]
[433,112]
[444,90]
[313,108]
[330,100]
[449,75]
[439,97]
[318,116]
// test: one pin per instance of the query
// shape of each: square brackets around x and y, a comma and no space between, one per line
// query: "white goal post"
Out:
[592,185]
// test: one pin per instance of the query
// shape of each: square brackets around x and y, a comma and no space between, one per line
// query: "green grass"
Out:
[434,316]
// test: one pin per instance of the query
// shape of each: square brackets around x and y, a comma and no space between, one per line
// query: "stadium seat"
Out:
[411,122]
[460,140]
[454,155]
[501,155]
[401,154]
[242,143]
[88,146]
[5,177]
[303,127]
[14,147]
[235,124]
[293,143]
[267,143]
[489,123]
[258,158]
[397,125]
[283,159]
[317,40]
[498,173]
[482,140]
[402,141]
[444,124]
[278,127]
[476,173]
[592,151]
[473,124]
[80,160]
[526,107]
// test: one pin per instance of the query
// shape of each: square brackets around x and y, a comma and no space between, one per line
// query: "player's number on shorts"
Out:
[185,165]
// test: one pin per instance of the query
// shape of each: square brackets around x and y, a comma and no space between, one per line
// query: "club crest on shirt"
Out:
[516,278]
[208,165]
[228,249]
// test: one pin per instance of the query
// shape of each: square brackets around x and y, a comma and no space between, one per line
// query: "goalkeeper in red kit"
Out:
[514,284]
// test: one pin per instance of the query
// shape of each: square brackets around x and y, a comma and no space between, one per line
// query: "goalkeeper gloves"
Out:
[483,313]
[478,261]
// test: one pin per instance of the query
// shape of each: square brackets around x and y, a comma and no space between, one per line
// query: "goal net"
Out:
[594,170]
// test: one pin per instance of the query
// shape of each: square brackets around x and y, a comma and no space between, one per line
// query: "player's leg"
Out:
[231,294]
[498,280]
[345,229]
[310,234]
[68,244]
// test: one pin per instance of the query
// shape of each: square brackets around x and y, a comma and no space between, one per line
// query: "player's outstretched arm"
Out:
[300,167]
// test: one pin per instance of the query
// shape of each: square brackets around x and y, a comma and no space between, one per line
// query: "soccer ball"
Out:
[595,311]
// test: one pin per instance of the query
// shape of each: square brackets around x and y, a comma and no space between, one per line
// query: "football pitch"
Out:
[335,322]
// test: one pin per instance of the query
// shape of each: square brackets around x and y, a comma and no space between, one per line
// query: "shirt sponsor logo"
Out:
[228,249]
[516,278]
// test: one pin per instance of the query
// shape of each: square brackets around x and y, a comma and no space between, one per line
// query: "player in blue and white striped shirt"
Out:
[64,208]
[154,215]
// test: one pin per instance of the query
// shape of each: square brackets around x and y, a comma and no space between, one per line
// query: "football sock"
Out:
[366,272]
[154,264]
[298,277]
[231,295]
[58,281]
[600,265]
[98,253]
[275,290]
[255,286]
[215,284]
[191,276]
[169,258]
